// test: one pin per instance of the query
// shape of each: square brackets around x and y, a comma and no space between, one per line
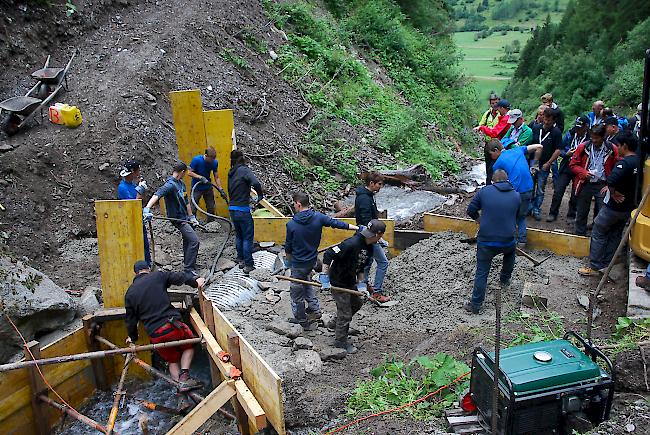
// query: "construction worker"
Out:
[240,181]
[498,205]
[147,301]
[617,205]
[591,164]
[491,116]
[514,162]
[365,210]
[343,266]
[201,167]
[576,135]
[128,189]
[180,214]
[304,232]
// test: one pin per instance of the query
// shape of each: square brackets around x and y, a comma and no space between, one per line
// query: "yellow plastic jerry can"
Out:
[71,116]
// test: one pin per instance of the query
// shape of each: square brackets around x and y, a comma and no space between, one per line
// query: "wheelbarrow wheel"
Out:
[9,123]
[43,91]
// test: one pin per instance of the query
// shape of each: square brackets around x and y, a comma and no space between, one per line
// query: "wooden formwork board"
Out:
[73,381]
[274,229]
[260,378]
[205,409]
[554,241]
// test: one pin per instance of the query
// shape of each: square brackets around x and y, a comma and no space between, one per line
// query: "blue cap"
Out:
[503,103]
[140,265]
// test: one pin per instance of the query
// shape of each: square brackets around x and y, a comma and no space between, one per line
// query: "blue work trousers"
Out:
[521,215]
[484,256]
[538,199]
[380,258]
[244,233]
[302,294]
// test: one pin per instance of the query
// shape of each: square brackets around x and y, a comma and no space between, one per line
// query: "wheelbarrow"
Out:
[16,112]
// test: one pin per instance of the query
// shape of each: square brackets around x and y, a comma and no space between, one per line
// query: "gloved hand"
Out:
[204,180]
[141,187]
[324,280]
[147,216]
[534,167]
[194,220]
[363,288]
[361,228]
[222,193]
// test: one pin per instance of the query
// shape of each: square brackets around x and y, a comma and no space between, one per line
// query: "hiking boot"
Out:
[248,269]
[331,325]
[588,271]
[188,384]
[471,308]
[184,404]
[378,297]
[314,316]
[551,218]
[295,321]
[349,348]
[643,282]
[240,263]
[308,326]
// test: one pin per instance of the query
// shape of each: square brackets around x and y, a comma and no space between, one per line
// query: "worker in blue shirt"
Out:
[201,167]
[128,189]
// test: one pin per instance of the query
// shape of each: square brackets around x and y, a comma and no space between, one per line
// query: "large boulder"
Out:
[33,302]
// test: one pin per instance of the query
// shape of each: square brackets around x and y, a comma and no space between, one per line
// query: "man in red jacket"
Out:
[498,131]
[591,164]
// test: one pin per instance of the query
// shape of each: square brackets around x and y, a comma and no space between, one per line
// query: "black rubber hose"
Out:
[222,219]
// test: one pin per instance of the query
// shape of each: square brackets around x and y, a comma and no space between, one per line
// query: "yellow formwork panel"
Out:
[220,134]
[121,244]
[556,242]
[274,229]
[640,236]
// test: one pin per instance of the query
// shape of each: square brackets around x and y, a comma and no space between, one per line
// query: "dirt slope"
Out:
[130,55]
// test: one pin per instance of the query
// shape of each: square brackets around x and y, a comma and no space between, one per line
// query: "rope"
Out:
[399,408]
[39,369]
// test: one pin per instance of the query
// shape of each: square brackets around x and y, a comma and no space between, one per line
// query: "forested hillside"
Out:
[594,52]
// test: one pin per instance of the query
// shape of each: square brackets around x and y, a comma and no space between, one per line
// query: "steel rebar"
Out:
[96,354]
[77,416]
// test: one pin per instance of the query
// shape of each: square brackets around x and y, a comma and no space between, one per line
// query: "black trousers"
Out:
[588,191]
[559,187]
[346,306]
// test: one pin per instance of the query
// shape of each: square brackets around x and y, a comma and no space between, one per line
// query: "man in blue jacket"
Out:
[178,209]
[301,247]
[128,189]
[515,163]
[499,205]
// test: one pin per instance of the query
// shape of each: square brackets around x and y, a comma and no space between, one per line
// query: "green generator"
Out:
[544,388]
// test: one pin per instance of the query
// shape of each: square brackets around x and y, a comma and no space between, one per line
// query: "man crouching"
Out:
[343,266]
[146,300]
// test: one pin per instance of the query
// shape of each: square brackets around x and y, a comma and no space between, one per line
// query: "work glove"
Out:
[204,180]
[194,221]
[222,193]
[147,216]
[324,280]
[534,168]
[141,187]
[363,288]
[361,228]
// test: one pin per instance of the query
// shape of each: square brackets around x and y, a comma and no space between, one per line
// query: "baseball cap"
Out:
[373,228]
[129,167]
[581,121]
[140,265]
[503,103]
[514,115]
[611,120]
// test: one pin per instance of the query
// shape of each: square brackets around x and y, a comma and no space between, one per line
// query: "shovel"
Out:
[472,240]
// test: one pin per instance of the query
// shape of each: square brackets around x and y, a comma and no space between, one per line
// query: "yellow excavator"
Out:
[640,234]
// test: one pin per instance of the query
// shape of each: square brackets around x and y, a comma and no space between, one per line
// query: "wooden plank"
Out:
[251,406]
[274,229]
[206,312]
[554,241]
[40,412]
[120,242]
[262,380]
[220,134]
[99,371]
[205,409]
[235,359]
[118,313]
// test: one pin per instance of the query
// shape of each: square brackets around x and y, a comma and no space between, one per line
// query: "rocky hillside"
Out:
[317,97]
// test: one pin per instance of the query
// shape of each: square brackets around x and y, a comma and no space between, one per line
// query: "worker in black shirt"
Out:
[147,301]
[550,137]
[343,266]
[618,203]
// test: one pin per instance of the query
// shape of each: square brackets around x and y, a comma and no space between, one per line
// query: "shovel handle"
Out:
[317,284]
[528,256]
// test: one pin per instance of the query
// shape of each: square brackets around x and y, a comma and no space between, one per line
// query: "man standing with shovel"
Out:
[343,266]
